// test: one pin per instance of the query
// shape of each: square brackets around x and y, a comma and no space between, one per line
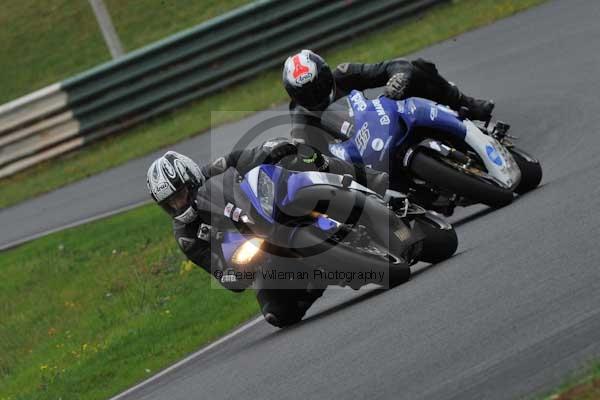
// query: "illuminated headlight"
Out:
[247,252]
[266,192]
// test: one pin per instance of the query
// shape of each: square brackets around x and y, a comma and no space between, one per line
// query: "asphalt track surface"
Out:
[513,313]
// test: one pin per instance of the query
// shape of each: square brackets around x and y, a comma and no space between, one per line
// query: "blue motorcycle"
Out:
[433,152]
[311,229]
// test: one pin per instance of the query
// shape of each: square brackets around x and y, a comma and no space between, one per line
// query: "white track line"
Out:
[190,357]
[72,224]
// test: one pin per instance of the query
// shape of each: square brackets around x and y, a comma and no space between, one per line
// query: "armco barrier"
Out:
[178,69]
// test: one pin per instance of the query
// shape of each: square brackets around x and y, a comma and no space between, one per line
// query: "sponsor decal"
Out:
[204,232]
[301,69]
[185,243]
[188,216]
[494,155]
[400,106]
[228,209]
[362,138]
[343,68]
[359,101]
[377,144]
[345,127]
[236,214]
[338,151]
[218,166]
[161,192]
[412,107]
[311,159]
[384,119]
[433,113]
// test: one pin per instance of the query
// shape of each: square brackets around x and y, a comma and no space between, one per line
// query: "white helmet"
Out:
[173,181]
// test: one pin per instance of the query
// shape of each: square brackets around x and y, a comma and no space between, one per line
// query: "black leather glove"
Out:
[397,86]
[312,158]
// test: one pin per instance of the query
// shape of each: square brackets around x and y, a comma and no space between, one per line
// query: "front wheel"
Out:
[531,171]
[446,177]
[440,241]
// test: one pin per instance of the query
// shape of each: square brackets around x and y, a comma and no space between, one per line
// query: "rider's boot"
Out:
[480,110]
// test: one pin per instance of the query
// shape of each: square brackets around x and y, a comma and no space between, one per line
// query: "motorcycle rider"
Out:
[173,181]
[312,86]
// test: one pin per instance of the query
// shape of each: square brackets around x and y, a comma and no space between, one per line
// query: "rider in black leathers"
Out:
[174,179]
[312,87]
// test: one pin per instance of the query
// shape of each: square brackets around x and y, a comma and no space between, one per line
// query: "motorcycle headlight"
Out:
[266,192]
[247,252]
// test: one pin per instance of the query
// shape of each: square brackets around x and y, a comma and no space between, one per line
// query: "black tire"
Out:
[531,172]
[446,177]
[439,244]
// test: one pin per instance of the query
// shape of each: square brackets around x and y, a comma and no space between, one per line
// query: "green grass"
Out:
[89,311]
[586,387]
[140,22]
[262,92]
[44,42]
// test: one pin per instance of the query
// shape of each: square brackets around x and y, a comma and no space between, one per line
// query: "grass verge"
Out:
[89,311]
[45,42]
[264,91]
[586,388]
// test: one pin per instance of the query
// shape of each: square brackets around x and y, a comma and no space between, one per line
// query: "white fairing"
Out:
[252,178]
[499,162]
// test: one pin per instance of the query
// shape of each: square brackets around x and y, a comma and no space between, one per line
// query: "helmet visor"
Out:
[176,203]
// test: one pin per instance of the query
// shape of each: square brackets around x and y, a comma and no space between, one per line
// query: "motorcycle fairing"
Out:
[371,146]
[500,164]
[383,124]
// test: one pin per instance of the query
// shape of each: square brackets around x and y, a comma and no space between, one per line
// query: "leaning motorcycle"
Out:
[326,228]
[434,152]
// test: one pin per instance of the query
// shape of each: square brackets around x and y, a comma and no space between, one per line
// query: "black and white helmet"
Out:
[308,80]
[173,181]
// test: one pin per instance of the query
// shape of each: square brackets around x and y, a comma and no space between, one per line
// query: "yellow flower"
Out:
[186,266]
[43,367]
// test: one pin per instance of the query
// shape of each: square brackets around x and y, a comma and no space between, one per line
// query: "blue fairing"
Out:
[383,124]
[286,184]
[296,182]
[231,241]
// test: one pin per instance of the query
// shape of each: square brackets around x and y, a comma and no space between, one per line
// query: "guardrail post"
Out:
[108,30]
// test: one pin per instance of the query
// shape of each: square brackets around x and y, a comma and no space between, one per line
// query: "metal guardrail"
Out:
[178,69]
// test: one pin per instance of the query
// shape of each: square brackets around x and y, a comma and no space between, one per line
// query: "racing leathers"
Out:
[280,307]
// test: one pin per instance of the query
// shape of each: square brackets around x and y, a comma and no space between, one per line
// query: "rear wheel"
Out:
[531,171]
[444,176]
